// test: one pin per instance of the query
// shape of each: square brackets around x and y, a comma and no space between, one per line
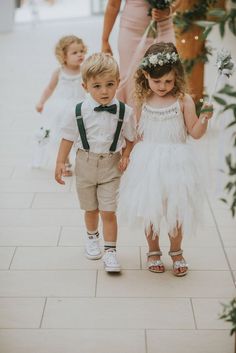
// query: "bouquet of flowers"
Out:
[42,135]
[225,66]
[155,4]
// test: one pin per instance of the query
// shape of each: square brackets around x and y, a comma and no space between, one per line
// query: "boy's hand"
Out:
[59,172]
[123,164]
[206,111]
[39,107]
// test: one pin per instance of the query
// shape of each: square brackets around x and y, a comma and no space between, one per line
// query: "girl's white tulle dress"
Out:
[57,110]
[161,179]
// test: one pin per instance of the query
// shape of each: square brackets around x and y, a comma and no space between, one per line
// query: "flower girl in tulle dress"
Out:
[161,179]
[65,91]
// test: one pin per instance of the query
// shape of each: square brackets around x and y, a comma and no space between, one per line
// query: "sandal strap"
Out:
[175,253]
[153,253]
[180,264]
[155,263]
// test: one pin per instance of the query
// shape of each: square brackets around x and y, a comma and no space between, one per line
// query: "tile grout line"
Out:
[194,318]
[140,257]
[96,283]
[9,268]
[33,199]
[145,340]
[221,241]
[44,307]
[59,236]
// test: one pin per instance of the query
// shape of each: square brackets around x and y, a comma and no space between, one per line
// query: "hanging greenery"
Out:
[230,187]
[184,20]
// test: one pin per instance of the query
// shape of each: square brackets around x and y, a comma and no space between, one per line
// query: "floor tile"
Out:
[68,258]
[224,218]
[207,312]
[21,312]
[47,283]
[228,235]
[231,253]
[45,217]
[29,236]
[56,200]
[112,313]
[8,171]
[146,284]
[72,236]
[35,185]
[73,341]
[16,200]
[190,341]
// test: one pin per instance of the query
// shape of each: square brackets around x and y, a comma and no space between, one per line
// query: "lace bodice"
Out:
[69,86]
[162,125]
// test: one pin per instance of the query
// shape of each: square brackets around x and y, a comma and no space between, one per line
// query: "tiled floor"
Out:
[52,299]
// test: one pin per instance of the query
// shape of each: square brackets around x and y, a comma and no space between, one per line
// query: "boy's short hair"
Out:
[63,44]
[99,64]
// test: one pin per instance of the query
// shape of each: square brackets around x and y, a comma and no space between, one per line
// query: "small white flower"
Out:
[160,62]
[168,56]
[153,59]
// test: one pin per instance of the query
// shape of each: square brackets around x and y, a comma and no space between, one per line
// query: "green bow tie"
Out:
[110,109]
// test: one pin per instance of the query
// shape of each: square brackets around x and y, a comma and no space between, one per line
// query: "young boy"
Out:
[102,128]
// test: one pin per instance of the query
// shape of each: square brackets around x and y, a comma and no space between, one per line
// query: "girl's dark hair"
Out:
[142,90]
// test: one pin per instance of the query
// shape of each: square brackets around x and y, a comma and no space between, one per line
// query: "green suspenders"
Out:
[82,132]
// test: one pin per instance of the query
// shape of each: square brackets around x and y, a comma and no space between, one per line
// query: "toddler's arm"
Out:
[124,161]
[48,91]
[63,153]
[196,127]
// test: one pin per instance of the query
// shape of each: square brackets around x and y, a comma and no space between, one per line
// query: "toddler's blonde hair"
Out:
[62,47]
[142,90]
[99,64]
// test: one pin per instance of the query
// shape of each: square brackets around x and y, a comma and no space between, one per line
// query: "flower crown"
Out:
[160,59]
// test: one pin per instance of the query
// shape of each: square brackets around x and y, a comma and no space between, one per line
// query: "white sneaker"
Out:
[92,248]
[110,261]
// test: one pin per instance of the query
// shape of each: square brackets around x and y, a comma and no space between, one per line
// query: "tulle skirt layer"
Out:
[161,181]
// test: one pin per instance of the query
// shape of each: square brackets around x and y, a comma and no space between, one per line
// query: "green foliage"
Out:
[229,314]
[223,18]
[198,12]
[202,57]
[230,187]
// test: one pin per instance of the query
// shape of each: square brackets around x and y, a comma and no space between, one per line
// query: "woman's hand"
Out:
[160,15]
[106,48]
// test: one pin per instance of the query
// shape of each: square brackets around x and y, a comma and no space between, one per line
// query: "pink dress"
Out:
[133,43]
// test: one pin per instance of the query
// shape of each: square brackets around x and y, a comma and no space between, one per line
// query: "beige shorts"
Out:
[97,180]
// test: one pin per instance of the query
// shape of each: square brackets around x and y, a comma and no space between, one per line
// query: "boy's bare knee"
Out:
[108,216]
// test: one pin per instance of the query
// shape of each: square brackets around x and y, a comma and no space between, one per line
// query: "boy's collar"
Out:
[94,103]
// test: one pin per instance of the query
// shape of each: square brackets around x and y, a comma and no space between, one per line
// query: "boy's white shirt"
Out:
[100,127]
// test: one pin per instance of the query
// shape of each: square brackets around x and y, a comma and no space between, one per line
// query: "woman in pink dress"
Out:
[132,40]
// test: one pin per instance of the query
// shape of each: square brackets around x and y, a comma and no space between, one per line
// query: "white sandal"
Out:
[179,264]
[154,264]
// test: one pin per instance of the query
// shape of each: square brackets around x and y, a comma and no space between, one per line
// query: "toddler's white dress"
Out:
[161,179]
[57,109]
